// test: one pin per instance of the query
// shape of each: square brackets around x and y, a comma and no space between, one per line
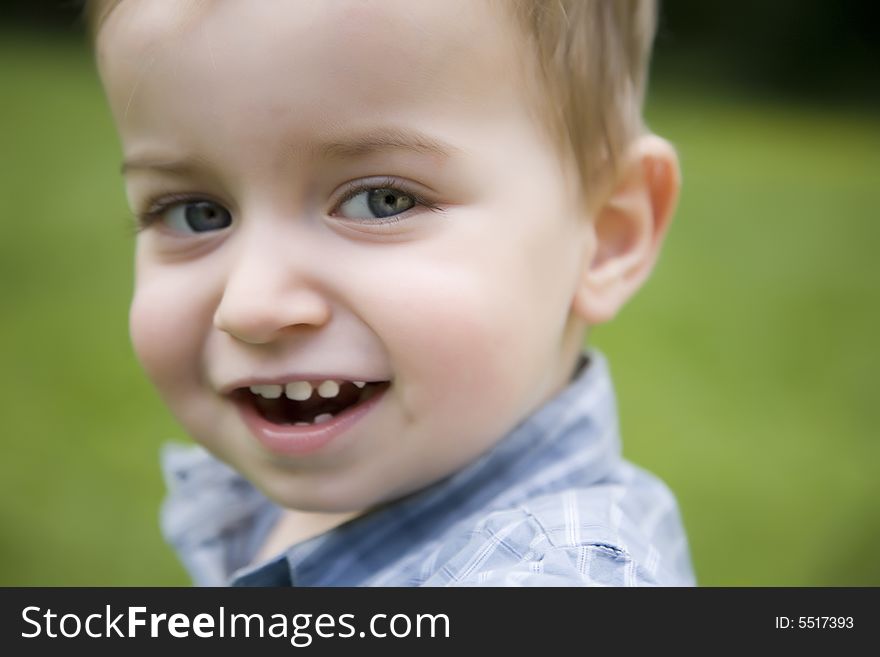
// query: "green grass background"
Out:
[746,369]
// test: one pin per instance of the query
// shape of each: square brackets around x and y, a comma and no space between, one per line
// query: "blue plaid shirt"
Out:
[552,504]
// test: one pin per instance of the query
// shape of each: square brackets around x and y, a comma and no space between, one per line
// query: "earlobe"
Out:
[628,229]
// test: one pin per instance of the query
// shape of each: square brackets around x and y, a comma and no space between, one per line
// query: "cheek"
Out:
[453,333]
[168,329]
[477,330]
[165,336]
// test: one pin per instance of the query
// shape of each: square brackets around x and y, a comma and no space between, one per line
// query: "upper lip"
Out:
[246,382]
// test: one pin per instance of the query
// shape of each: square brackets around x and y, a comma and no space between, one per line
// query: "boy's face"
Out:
[266,125]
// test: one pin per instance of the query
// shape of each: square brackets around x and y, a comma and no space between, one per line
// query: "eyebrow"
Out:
[171,166]
[359,145]
[386,139]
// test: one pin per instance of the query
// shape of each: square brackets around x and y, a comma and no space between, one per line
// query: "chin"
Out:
[321,498]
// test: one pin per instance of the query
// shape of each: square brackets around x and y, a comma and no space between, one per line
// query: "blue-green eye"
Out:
[197,217]
[377,203]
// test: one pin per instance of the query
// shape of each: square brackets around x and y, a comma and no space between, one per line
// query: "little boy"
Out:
[372,237]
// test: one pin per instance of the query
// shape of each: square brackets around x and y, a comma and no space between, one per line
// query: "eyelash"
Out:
[394,185]
[158,207]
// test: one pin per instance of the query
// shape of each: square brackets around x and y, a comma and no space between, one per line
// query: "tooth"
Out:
[269,390]
[298,390]
[300,424]
[323,417]
[328,389]
[359,384]
[272,391]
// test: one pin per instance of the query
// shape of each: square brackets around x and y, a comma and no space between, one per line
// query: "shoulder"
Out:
[212,516]
[625,532]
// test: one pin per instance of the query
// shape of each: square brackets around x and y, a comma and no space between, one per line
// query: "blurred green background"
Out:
[746,369]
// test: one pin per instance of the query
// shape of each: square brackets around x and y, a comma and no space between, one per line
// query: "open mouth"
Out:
[303,403]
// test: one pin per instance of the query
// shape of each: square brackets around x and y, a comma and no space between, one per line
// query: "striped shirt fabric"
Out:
[552,504]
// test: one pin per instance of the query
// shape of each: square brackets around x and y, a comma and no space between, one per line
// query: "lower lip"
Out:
[292,440]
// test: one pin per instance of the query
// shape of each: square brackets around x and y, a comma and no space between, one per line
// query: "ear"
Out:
[628,229]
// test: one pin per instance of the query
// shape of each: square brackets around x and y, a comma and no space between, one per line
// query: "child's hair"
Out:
[592,58]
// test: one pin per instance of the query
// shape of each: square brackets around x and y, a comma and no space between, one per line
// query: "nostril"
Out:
[259,313]
[245,326]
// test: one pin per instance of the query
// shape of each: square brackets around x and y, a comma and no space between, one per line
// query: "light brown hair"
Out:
[592,58]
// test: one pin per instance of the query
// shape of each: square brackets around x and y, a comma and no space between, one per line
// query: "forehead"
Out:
[331,62]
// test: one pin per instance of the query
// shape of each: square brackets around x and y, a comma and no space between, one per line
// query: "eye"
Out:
[377,203]
[194,216]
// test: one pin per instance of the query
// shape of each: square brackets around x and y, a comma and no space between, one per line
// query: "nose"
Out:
[268,290]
